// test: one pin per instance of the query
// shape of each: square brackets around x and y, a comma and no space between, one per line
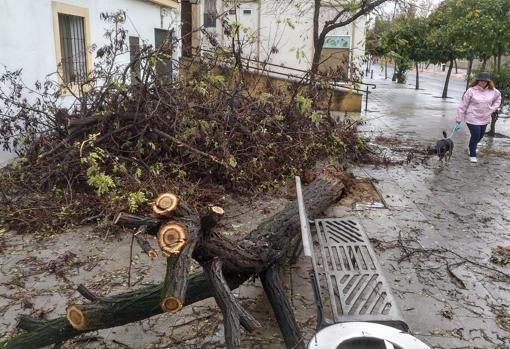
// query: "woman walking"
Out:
[478,103]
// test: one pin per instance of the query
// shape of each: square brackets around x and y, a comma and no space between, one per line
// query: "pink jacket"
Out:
[477,105]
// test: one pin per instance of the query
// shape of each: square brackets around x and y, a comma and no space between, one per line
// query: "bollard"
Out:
[372,74]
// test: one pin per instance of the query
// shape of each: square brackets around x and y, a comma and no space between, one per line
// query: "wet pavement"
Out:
[446,219]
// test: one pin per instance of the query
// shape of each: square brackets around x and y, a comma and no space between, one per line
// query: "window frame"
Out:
[66,9]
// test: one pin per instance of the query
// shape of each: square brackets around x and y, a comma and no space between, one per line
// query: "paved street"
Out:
[450,299]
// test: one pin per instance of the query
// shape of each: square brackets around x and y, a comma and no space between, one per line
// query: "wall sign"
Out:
[337,41]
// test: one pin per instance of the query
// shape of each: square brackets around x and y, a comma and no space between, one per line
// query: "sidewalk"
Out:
[450,300]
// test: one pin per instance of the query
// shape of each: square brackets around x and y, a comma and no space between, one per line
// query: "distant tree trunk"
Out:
[456,67]
[494,118]
[499,61]
[385,70]
[445,89]
[470,67]
[484,64]
[394,77]
[417,76]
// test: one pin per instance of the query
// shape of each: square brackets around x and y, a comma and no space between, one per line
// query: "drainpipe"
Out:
[259,23]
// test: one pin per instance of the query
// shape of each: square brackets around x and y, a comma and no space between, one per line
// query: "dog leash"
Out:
[455,128]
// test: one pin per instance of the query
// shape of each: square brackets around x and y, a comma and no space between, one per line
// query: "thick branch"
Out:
[179,249]
[133,221]
[282,309]
[272,236]
[180,254]
[144,244]
[365,8]
[225,301]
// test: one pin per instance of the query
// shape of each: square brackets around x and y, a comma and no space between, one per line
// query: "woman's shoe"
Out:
[473,159]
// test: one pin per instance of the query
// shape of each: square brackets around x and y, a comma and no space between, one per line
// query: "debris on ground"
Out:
[501,255]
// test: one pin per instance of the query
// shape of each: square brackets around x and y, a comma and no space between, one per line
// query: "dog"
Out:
[444,148]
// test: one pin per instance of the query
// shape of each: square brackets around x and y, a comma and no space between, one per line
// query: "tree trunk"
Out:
[494,118]
[484,64]
[417,76]
[394,77]
[282,309]
[470,67]
[456,68]
[447,81]
[317,44]
[385,70]
[264,246]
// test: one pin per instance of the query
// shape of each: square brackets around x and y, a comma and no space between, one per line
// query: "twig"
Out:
[130,258]
[199,152]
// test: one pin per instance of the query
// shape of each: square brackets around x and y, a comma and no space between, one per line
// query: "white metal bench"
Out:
[348,282]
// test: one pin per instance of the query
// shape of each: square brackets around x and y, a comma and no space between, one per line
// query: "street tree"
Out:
[406,42]
[444,44]
[337,14]
[479,29]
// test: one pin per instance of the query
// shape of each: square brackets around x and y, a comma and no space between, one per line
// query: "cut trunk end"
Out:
[171,305]
[76,317]
[165,203]
[171,238]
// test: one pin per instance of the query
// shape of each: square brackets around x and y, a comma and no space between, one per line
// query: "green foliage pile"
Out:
[131,134]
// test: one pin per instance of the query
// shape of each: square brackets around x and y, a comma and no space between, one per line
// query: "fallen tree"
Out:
[227,264]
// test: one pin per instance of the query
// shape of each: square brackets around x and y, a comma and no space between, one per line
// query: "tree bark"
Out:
[417,76]
[178,265]
[494,118]
[447,81]
[484,64]
[133,221]
[282,309]
[234,314]
[264,246]
[146,247]
[470,67]
[317,45]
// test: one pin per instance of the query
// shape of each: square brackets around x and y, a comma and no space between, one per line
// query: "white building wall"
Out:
[26,30]
[287,28]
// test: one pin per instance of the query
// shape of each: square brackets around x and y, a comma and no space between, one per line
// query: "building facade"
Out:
[279,31]
[42,37]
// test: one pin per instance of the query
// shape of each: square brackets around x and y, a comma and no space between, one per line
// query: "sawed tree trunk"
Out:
[240,260]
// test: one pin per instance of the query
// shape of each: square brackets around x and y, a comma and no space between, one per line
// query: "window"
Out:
[210,13]
[72,48]
[246,12]
[70,25]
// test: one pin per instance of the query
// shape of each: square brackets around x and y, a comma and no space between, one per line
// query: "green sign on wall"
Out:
[338,41]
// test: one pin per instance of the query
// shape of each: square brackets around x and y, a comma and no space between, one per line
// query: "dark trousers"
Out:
[477,132]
